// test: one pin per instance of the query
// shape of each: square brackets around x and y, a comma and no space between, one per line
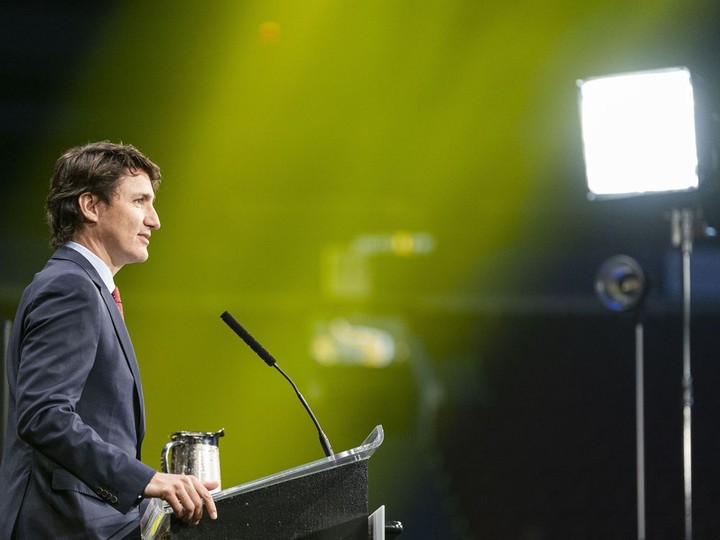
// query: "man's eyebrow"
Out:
[143,195]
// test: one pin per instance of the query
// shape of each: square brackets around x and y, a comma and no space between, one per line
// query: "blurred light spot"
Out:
[346,268]
[270,32]
[399,243]
[341,342]
[346,273]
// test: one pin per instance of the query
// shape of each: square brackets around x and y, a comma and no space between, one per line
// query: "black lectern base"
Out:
[331,505]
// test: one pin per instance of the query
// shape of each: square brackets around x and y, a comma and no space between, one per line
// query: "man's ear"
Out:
[88,204]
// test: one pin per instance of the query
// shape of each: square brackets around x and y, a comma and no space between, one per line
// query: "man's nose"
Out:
[152,219]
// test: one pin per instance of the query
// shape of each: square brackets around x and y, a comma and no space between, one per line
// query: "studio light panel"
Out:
[638,132]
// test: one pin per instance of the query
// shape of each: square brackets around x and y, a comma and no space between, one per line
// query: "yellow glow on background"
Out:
[285,131]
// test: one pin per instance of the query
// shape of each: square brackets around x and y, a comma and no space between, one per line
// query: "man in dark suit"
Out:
[71,466]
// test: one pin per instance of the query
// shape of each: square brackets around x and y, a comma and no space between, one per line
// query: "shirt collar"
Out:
[97,263]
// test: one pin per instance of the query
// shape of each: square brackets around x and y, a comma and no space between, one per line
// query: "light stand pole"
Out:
[640,427]
[620,286]
[682,237]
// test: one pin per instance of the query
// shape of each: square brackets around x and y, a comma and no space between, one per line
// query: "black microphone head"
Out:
[248,339]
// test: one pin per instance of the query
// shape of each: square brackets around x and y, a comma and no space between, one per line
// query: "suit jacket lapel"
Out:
[118,323]
[126,344]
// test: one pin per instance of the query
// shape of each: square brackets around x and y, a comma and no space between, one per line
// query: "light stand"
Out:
[682,237]
[620,286]
[639,138]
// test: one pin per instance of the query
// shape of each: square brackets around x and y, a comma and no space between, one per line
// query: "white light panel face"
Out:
[638,133]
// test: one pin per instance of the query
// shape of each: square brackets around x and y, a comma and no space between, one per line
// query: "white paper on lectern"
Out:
[376,521]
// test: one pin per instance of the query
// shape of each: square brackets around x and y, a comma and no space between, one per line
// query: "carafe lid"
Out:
[197,435]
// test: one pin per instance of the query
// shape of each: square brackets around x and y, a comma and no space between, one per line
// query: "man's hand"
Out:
[184,493]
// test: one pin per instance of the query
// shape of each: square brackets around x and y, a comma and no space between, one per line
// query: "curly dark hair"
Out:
[93,168]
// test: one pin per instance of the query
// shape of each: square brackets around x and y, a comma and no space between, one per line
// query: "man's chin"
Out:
[140,257]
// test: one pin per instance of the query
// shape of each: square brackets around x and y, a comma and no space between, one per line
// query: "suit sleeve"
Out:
[61,336]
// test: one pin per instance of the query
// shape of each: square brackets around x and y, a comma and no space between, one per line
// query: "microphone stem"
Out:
[270,361]
[324,441]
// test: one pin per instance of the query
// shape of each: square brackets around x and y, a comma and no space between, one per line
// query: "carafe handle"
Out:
[165,456]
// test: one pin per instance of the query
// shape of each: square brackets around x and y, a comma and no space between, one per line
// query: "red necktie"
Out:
[116,297]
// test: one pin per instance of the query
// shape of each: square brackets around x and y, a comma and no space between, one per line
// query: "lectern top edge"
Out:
[360,453]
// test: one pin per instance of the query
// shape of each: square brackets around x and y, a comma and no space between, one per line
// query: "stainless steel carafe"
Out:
[193,452]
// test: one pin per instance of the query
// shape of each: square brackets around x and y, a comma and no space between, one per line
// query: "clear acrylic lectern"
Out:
[324,499]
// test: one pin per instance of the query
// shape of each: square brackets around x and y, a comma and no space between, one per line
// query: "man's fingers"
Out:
[176,494]
[210,484]
[175,504]
[200,490]
[192,500]
[184,493]
[207,497]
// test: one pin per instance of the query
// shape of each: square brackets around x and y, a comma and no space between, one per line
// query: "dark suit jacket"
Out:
[71,466]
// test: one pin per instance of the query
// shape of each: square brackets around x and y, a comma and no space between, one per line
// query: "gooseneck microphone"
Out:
[270,361]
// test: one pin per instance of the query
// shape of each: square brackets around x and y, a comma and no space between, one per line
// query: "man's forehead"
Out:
[137,183]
